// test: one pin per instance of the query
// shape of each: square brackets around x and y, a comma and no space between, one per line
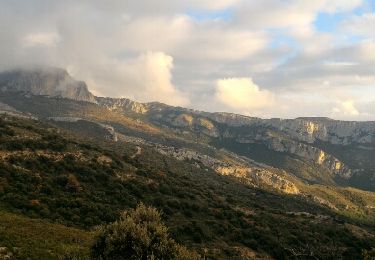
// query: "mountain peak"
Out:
[48,81]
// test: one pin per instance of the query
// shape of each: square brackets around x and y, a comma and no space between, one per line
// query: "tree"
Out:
[138,234]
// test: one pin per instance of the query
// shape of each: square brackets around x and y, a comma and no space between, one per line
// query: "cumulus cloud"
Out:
[346,107]
[242,94]
[146,78]
[160,51]
[150,78]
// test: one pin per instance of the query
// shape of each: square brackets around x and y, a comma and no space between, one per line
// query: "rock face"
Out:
[52,82]
[310,153]
[247,172]
[306,129]
[324,129]
[123,105]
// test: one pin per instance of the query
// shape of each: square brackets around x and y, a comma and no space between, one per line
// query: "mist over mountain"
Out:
[48,81]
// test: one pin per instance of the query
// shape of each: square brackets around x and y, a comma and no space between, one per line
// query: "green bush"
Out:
[139,234]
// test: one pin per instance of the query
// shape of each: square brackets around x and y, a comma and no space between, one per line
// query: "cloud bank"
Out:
[307,58]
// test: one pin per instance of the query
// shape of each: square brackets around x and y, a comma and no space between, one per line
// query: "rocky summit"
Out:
[52,82]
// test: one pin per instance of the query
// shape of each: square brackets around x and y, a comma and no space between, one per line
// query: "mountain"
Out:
[53,82]
[341,151]
[238,186]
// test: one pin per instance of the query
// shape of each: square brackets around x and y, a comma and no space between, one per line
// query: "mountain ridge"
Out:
[301,137]
[248,171]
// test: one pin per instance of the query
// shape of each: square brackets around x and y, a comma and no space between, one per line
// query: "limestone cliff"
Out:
[52,82]
[123,105]
[310,153]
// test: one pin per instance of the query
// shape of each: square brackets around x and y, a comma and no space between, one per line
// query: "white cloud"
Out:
[340,5]
[188,39]
[345,108]
[362,25]
[242,94]
[155,33]
[289,13]
[125,48]
[41,39]
[146,78]
[216,43]
[151,77]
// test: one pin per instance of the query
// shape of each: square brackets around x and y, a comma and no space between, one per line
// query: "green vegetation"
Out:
[25,238]
[139,234]
[46,174]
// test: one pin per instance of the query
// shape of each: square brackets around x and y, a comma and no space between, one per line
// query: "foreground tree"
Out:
[138,234]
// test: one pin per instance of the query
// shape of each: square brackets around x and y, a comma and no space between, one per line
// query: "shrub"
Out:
[139,234]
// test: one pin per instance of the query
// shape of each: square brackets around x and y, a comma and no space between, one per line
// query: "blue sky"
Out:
[203,15]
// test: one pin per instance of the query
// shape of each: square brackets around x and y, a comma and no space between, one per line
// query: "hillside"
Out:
[47,175]
[228,185]
[26,238]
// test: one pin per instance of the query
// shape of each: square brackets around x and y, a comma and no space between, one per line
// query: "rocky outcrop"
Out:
[111,133]
[302,129]
[306,129]
[194,123]
[122,105]
[244,170]
[51,82]
[324,129]
[231,119]
[305,151]
[260,177]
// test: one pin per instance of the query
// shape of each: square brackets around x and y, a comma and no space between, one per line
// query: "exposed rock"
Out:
[65,119]
[183,120]
[112,135]
[245,170]
[103,159]
[333,131]
[261,177]
[323,202]
[122,105]
[308,152]
[51,82]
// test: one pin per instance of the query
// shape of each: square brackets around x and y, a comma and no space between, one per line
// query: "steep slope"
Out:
[310,148]
[223,180]
[49,173]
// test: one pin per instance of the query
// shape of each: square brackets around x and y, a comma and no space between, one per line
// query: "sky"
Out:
[269,58]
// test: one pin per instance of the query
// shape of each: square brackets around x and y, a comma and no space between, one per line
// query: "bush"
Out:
[139,234]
